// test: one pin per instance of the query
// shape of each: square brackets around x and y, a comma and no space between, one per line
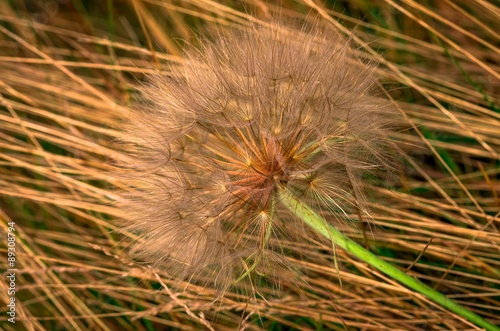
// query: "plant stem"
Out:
[318,224]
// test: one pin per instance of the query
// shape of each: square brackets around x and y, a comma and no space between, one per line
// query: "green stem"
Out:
[317,223]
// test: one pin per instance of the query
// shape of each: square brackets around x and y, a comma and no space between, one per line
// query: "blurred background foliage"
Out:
[69,70]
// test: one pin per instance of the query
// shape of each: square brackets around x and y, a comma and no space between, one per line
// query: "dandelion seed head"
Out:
[256,110]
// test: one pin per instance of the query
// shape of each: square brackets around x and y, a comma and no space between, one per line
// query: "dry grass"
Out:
[66,85]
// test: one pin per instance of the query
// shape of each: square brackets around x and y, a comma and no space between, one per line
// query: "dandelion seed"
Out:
[257,110]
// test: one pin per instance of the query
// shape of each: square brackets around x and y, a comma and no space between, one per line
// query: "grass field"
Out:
[70,71]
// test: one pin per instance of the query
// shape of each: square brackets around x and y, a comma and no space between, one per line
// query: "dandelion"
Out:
[258,110]
[262,133]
